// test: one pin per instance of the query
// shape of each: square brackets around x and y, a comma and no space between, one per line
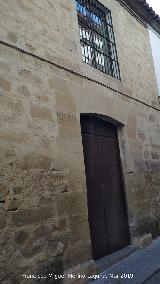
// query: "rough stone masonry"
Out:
[43,197]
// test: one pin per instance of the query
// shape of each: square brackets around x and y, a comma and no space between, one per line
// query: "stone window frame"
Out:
[97,38]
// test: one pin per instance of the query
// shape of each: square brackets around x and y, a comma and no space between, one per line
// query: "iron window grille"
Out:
[97,37]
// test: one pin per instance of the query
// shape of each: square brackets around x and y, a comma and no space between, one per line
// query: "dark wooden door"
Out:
[107,213]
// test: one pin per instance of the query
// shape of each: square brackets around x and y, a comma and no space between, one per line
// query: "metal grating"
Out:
[97,37]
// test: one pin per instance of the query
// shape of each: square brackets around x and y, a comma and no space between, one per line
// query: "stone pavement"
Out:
[154,279]
[140,267]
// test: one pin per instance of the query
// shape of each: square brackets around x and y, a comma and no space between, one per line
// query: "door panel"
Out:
[98,238]
[107,149]
[119,233]
[110,175]
[107,212]
[102,130]
[95,206]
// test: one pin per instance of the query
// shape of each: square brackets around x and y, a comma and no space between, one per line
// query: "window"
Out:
[97,37]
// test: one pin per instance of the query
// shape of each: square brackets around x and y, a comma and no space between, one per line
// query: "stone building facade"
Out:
[45,87]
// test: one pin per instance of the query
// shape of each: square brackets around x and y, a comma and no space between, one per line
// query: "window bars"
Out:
[97,37]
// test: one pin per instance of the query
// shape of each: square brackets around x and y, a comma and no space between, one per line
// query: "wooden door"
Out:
[107,213]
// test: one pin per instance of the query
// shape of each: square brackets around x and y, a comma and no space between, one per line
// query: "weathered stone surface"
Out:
[71,203]
[65,102]
[11,204]
[58,84]
[141,226]
[55,267]
[3,192]
[2,221]
[31,216]
[152,117]
[14,136]
[155,166]
[36,161]
[5,85]
[79,227]
[77,253]
[12,36]
[21,237]
[86,269]
[77,180]
[142,135]
[155,155]
[140,165]
[131,127]
[23,90]
[143,241]
[41,112]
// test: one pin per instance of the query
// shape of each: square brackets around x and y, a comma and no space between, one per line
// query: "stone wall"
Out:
[43,225]
[50,29]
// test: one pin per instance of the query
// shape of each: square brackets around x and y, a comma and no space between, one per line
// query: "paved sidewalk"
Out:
[154,279]
[136,268]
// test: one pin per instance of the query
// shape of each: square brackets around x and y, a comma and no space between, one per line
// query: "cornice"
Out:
[143,12]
